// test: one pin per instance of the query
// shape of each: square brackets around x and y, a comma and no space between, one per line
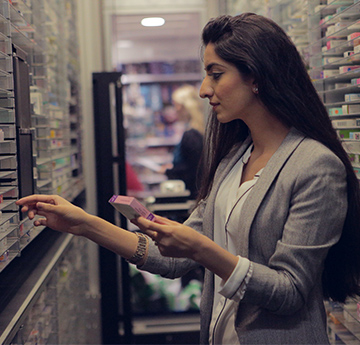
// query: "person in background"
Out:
[133,184]
[277,219]
[187,153]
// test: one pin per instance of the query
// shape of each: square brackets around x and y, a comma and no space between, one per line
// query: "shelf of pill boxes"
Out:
[75,105]
[336,78]
[334,60]
[9,217]
[334,34]
[344,321]
[345,117]
[57,53]
[15,235]
[234,7]
[292,16]
[6,79]
[40,326]
[54,152]
[22,32]
[61,94]
[53,317]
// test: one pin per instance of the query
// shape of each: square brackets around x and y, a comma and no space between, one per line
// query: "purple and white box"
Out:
[130,207]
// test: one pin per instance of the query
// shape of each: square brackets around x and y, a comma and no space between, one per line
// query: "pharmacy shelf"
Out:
[30,285]
[327,22]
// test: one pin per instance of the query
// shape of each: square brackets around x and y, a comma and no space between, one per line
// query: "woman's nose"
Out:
[205,89]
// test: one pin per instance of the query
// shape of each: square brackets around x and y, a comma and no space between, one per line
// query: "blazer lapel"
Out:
[271,170]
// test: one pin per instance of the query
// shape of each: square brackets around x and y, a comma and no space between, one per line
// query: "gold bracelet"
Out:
[140,249]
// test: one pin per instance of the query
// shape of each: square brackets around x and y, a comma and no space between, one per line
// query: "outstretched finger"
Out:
[33,199]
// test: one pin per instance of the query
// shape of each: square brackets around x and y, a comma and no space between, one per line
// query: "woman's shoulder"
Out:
[315,148]
[313,154]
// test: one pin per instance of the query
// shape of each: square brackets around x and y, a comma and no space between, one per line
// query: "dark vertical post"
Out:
[24,134]
[105,160]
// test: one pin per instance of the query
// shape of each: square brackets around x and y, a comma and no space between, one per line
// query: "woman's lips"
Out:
[214,105]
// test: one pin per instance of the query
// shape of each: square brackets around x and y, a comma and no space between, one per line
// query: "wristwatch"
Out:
[140,249]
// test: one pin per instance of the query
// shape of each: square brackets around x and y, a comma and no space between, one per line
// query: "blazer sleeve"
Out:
[318,206]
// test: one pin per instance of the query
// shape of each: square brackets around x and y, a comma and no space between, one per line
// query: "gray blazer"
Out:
[291,218]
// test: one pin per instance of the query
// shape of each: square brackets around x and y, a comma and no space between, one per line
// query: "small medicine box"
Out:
[130,207]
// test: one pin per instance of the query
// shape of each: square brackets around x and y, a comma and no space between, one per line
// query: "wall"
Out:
[91,55]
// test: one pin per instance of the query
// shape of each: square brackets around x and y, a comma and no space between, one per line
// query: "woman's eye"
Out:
[216,76]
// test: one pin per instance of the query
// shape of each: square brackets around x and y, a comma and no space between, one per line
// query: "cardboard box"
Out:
[344,69]
[349,109]
[334,43]
[353,36]
[327,73]
[351,97]
[344,123]
[335,111]
[130,207]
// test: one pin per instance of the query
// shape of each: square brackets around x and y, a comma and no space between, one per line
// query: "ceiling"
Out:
[178,38]
[128,27]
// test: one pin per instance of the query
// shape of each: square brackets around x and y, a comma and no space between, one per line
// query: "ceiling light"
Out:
[153,21]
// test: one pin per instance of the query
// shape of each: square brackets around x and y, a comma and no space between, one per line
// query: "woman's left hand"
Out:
[172,238]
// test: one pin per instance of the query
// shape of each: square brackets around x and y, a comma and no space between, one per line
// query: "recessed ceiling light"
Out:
[153,21]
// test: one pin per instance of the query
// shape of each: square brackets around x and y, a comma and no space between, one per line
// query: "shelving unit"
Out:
[343,322]
[51,296]
[335,67]
[46,33]
[56,92]
[9,219]
[39,81]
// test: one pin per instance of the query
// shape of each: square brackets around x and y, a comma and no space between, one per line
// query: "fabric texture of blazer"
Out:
[291,218]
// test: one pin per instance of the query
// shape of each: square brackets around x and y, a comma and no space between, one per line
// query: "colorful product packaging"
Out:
[4,257]
[344,69]
[349,109]
[344,123]
[335,111]
[130,207]
[327,73]
[351,97]
[353,36]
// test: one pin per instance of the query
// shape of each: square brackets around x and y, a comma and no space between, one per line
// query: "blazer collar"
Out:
[271,170]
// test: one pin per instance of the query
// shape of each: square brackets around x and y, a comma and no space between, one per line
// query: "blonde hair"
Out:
[188,97]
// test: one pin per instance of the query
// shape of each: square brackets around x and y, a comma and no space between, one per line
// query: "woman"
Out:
[187,153]
[277,218]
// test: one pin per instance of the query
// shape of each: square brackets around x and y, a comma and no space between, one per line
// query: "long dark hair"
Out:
[259,48]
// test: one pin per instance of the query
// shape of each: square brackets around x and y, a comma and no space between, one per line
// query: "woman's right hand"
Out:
[57,213]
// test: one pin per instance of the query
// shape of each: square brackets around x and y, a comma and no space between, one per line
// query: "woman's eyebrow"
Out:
[211,65]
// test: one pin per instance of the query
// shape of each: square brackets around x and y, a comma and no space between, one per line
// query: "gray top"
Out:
[293,215]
